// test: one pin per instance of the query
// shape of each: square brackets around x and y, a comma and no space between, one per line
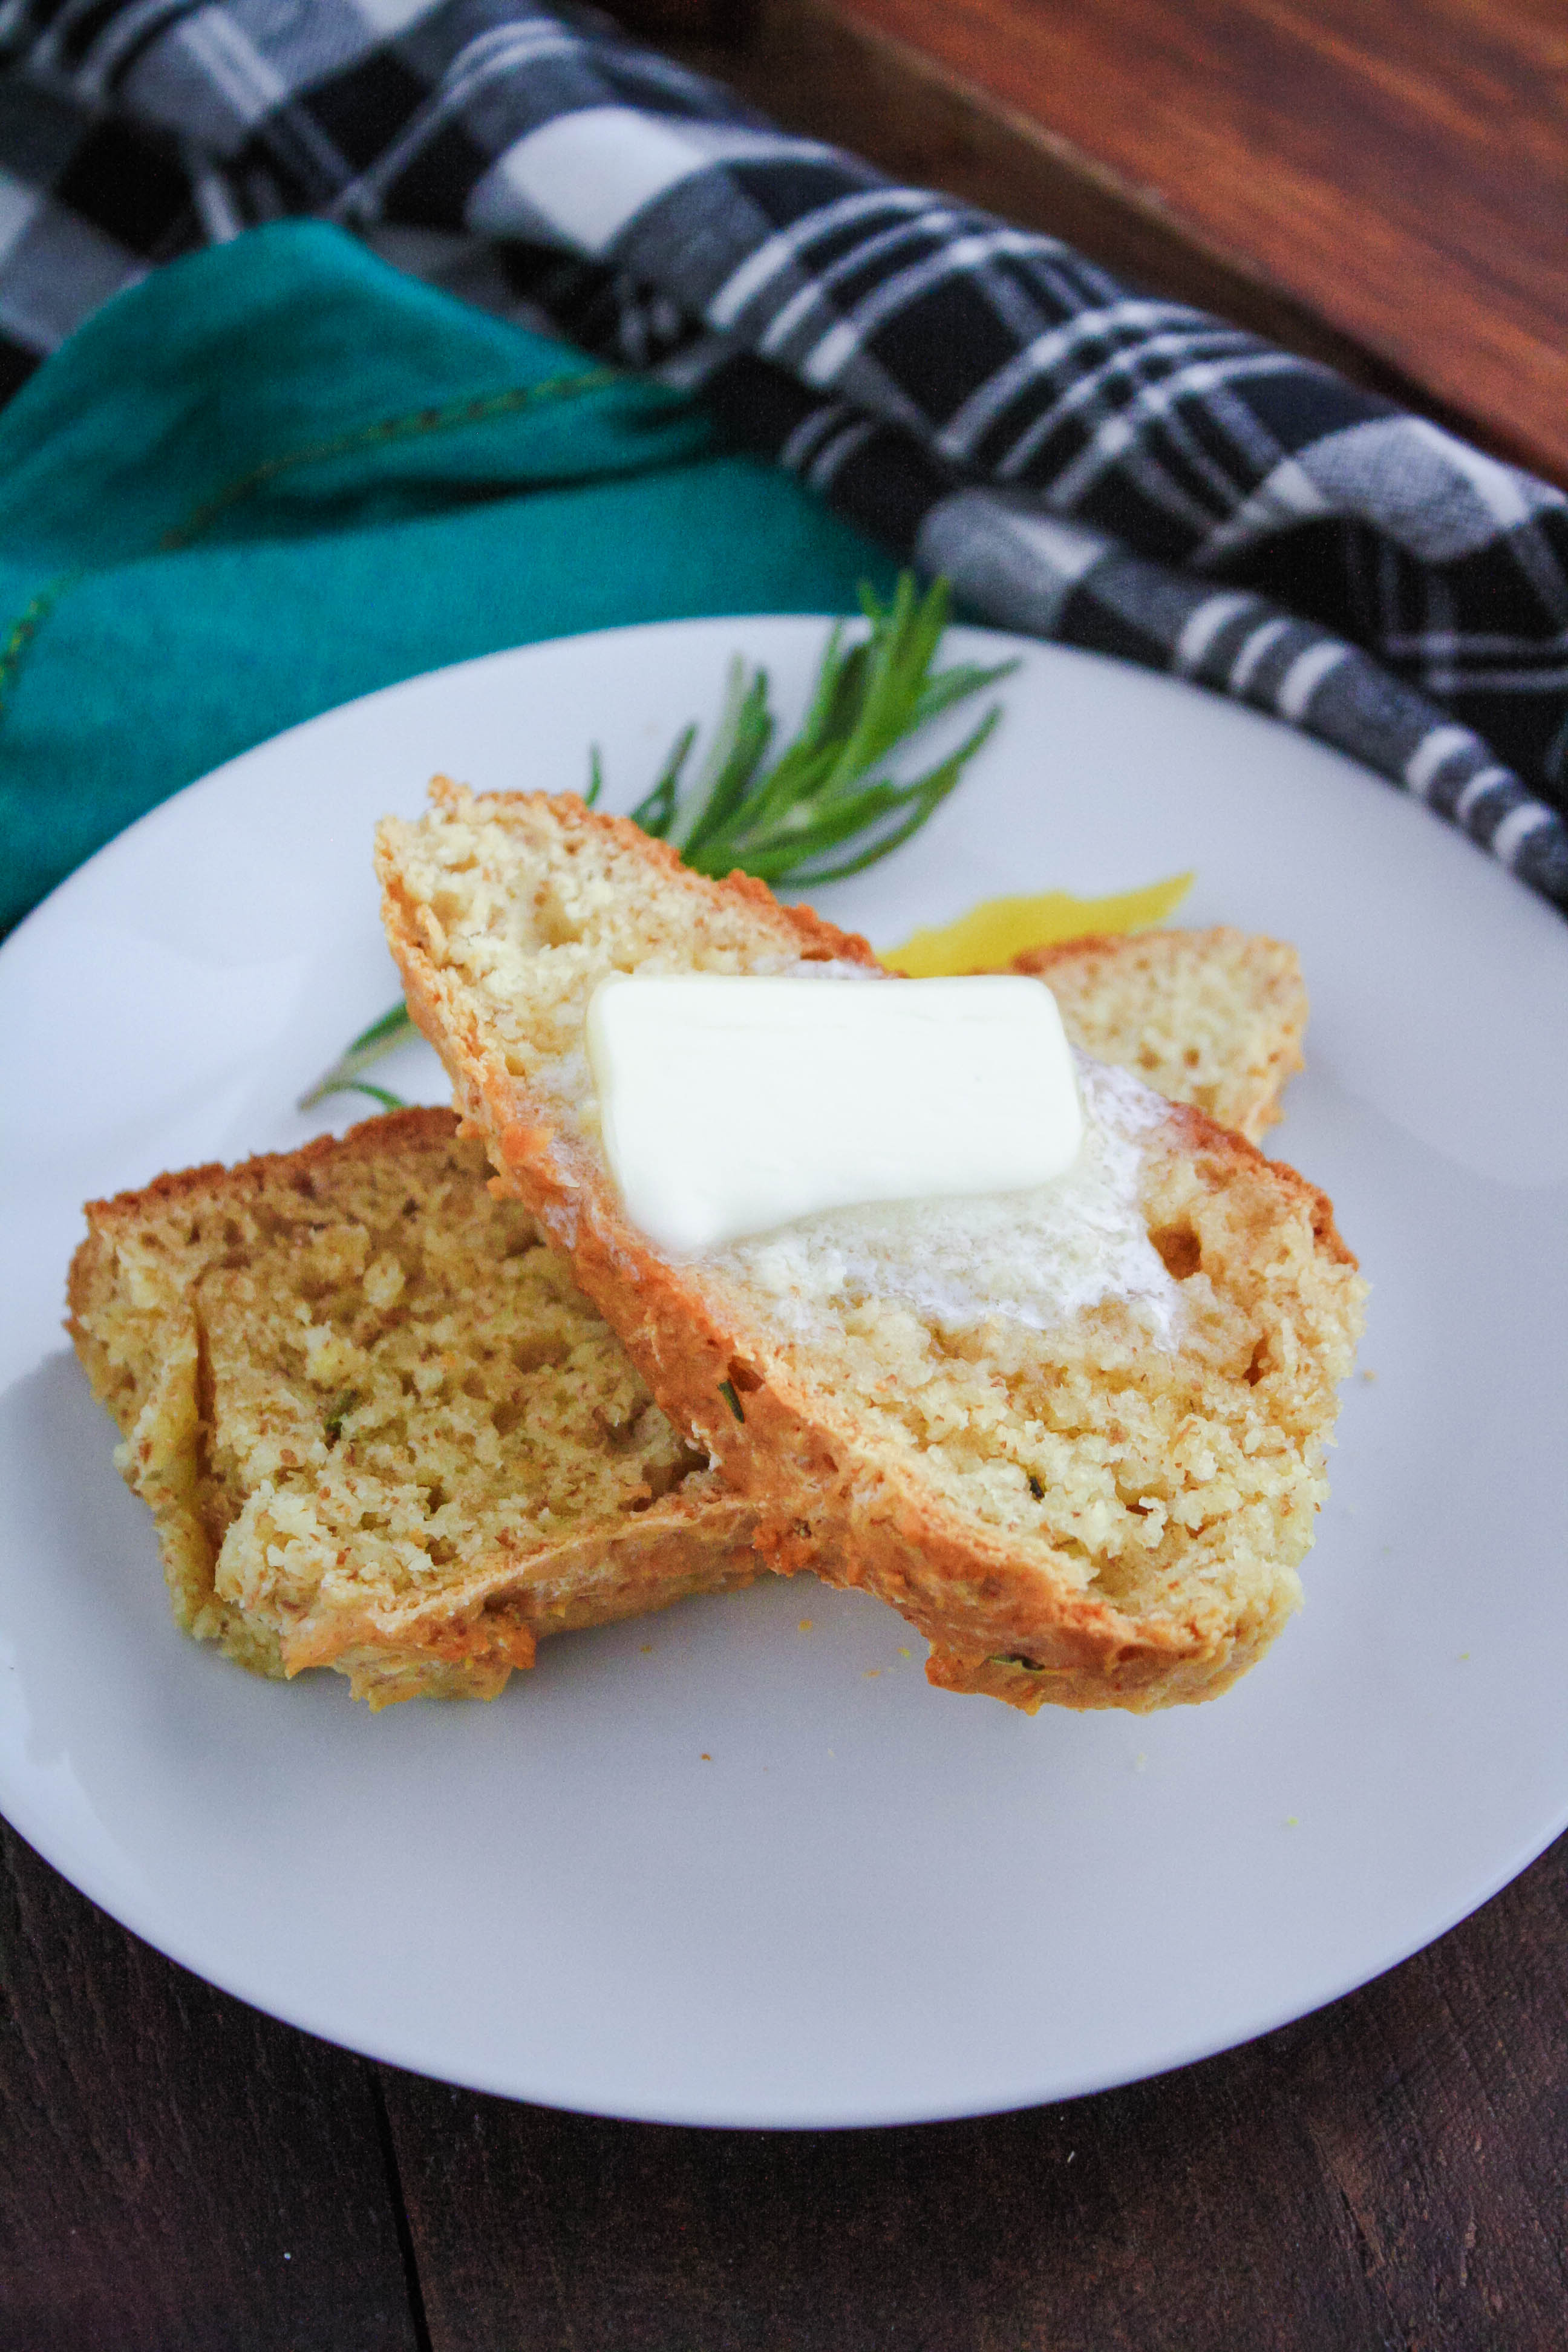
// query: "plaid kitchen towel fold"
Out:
[1085,461]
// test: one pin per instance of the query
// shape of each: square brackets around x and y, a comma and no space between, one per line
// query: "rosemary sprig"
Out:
[827,788]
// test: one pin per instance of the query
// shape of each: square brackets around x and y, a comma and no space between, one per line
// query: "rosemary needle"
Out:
[345,1076]
[828,806]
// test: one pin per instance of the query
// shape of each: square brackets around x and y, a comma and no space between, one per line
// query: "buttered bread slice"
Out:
[1076,1437]
[379,1427]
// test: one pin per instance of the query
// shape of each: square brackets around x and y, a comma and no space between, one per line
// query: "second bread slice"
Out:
[378,1426]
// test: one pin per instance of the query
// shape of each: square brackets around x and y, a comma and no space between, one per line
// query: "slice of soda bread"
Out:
[379,1427]
[1214,1018]
[1076,1437]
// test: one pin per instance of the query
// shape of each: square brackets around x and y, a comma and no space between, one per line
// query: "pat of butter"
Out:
[731,1105]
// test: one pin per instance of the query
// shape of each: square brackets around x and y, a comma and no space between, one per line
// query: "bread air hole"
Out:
[1180,1251]
[556,924]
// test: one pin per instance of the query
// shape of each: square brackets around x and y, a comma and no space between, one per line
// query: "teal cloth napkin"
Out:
[279,474]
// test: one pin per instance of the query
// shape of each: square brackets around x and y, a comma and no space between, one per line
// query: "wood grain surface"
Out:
[1383,184]
[1392,2172]
[178,2173]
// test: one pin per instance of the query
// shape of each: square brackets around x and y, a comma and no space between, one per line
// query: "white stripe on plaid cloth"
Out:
[1084,461]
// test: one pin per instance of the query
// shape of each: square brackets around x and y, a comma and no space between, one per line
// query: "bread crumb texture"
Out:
[378,1425]
[1212,1018]
[1091,1513]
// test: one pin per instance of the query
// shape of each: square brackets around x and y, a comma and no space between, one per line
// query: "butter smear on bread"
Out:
[730,1105]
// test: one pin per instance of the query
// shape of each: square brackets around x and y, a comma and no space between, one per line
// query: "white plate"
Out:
[875,1903]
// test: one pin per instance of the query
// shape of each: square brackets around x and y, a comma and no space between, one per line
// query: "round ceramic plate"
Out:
[714,1866]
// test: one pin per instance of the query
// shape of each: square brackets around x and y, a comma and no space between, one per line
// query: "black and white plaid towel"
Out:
[1086,462]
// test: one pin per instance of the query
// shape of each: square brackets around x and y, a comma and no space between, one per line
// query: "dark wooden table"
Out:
[182,2175]
[1382,183]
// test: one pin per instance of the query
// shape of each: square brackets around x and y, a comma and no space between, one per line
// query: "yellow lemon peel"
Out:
[989,936]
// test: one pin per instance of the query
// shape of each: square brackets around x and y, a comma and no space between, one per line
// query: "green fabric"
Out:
[279,474]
